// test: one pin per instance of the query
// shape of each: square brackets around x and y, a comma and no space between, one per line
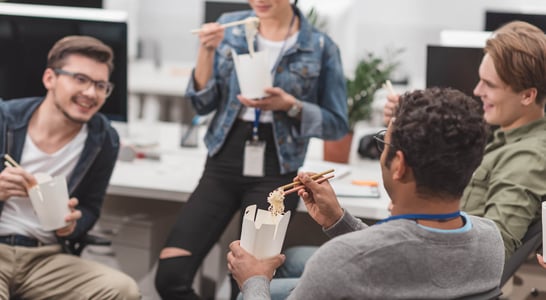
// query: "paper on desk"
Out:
[262,233]
[253,73]
[344,189]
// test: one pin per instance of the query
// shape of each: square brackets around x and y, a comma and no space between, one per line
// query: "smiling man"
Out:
[509,185]
[61,134]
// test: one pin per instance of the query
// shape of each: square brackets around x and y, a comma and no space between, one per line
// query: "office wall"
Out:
[408,24]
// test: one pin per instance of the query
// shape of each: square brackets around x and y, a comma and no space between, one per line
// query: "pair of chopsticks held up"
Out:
[10,162]
[296,185]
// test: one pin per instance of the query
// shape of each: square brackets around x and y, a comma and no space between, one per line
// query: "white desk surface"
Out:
[176,175]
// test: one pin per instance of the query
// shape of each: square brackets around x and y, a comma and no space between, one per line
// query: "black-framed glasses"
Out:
[380,140]
[103,88]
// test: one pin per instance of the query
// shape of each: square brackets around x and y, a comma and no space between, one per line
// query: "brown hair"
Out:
[518,50]
[83,45]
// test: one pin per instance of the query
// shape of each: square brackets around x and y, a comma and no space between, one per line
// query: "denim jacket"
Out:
[90,177]
[311,71]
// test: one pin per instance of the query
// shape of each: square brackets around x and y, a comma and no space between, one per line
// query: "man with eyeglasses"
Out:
[61,134]
[510,184]
[427,249]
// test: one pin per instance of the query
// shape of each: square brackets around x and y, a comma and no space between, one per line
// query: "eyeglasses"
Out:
[103,88]
[380,140]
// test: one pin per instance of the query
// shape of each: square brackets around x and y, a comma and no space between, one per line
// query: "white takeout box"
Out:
[50,201]
[263,234]
[253,73]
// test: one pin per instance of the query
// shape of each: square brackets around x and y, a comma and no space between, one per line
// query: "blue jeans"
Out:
[288,275]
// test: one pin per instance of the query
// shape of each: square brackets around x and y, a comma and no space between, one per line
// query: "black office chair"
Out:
[530,244]
[76,247]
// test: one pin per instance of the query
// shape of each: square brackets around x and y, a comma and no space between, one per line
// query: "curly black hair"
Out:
[442,134]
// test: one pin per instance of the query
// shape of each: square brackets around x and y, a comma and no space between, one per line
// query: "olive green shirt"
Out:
[510,183]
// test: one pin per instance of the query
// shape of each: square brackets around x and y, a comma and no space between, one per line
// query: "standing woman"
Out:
[308,99]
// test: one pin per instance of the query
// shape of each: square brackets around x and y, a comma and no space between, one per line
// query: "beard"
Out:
[79,121]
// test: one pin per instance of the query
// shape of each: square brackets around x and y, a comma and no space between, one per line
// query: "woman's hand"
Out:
[277,99]
[210,36]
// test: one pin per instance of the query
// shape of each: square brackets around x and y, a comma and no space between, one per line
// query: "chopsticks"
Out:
[235,23]
[301,187]
[297,183]
[388,86]
[10,162]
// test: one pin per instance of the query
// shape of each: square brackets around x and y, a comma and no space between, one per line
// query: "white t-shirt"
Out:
[18,216]
[273,49]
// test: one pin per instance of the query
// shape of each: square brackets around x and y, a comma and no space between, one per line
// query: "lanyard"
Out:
[257,111]
[437,217]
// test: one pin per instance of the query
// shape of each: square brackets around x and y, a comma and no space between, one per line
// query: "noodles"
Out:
[276,201]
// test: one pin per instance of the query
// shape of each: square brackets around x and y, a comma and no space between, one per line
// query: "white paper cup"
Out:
[253,74]
[262,234]
[50,201]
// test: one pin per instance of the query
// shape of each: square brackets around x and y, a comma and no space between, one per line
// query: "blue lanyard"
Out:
[257,111]
[437,217]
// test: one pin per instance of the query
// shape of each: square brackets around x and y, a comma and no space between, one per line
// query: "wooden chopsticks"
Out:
[297,185]
[301,187]
[388,86]
[240,22]
[10,162]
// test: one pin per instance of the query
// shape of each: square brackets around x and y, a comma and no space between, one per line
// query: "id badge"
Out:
[253,164]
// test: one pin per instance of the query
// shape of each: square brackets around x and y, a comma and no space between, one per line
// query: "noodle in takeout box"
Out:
[263,231]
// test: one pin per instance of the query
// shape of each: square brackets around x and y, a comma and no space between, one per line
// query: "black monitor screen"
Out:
[213,9]
[76,3]
[495,19]
[455,67]
[26,42]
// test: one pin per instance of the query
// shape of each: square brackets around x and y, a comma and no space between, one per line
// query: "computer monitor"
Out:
[27,33]
[455,67]
[75,3]
[213,9]
[495,19]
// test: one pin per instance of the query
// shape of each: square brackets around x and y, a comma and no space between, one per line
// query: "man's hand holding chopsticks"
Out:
[15,181]
[320,200]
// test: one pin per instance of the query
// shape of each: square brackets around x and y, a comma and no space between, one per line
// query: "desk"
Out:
[177,174]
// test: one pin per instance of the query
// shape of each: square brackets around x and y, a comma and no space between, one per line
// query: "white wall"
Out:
[381,24]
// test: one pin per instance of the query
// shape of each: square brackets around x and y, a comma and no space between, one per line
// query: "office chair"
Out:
[530,243]
[76,247]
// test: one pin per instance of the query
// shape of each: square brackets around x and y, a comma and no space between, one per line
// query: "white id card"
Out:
[253,164]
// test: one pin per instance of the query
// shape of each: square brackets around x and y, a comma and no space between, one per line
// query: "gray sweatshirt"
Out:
[398,259]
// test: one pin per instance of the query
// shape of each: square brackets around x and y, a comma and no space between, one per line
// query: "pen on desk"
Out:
[365,183]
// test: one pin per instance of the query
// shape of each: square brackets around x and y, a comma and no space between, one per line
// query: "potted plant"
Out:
[370,73]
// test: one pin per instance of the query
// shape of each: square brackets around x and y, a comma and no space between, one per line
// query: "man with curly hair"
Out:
[429,151]
[509,185]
